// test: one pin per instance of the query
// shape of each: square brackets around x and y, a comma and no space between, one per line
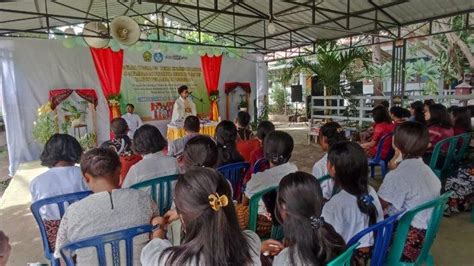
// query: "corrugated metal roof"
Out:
[293,19]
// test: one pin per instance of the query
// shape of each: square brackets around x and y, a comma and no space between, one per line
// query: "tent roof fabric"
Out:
[241,23]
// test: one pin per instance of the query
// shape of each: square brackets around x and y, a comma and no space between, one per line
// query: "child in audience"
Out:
[149,142]
[242,123]
[417,112]
[462,120]
[439,124]
[310,240]
[109,209]
[278,147]
[199,151]
[246,143]
[383,125]
[122,145]
[263,129]
[60,155]
[411,184]
[329,134]
[212,235]
[5,249]
[192,125]
[356,207]
[399,115]
[226,136]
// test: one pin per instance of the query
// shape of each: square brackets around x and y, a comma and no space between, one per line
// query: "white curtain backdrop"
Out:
[29,69]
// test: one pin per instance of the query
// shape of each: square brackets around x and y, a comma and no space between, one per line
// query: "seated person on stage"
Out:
[60,155]
[109,209]
[191,127]
[263,129]
[383,125]
[133,120]
[183,106]
[226,136]
[246,143]
[411,184]
[149,143]
[122,145]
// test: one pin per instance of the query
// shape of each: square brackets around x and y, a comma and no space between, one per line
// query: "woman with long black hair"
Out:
[310,240]
[357,206]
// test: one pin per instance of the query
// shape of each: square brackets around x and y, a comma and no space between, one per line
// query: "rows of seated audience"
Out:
[318,218]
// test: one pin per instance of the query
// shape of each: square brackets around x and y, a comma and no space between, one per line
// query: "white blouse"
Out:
[343,213]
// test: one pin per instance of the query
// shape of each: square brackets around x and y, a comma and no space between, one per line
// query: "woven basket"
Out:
[264,225]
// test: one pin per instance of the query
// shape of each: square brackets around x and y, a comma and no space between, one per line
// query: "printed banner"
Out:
[151,85]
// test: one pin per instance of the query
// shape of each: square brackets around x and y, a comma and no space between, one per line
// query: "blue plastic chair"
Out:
[259,165]
[163,197]
[235,173]
[99,243]
[383,235]
[377,159]
[61,202]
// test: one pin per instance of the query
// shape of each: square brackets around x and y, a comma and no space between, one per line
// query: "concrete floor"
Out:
[454,244]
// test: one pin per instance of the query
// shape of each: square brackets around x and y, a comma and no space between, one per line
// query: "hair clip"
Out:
[217,202]
[316,222]
[339,129]
[367,199]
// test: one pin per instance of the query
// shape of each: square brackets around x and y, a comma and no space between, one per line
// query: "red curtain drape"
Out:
[211,69]
[108,65]
[57,96]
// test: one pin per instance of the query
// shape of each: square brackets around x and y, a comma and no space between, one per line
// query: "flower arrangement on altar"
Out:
[114,104]
[214,96]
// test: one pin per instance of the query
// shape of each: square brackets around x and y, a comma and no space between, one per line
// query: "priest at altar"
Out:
[183,106]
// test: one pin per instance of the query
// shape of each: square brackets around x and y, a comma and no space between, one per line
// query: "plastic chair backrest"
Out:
[383,236]
[253,207]
[258,166]
[403,227]
[452,142]
[99,242]
[235,173]
[461,152]
[378,153]
[161,189]
[61,202]
[345,258]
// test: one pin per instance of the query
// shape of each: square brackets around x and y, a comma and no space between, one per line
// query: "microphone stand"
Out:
[201,100]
